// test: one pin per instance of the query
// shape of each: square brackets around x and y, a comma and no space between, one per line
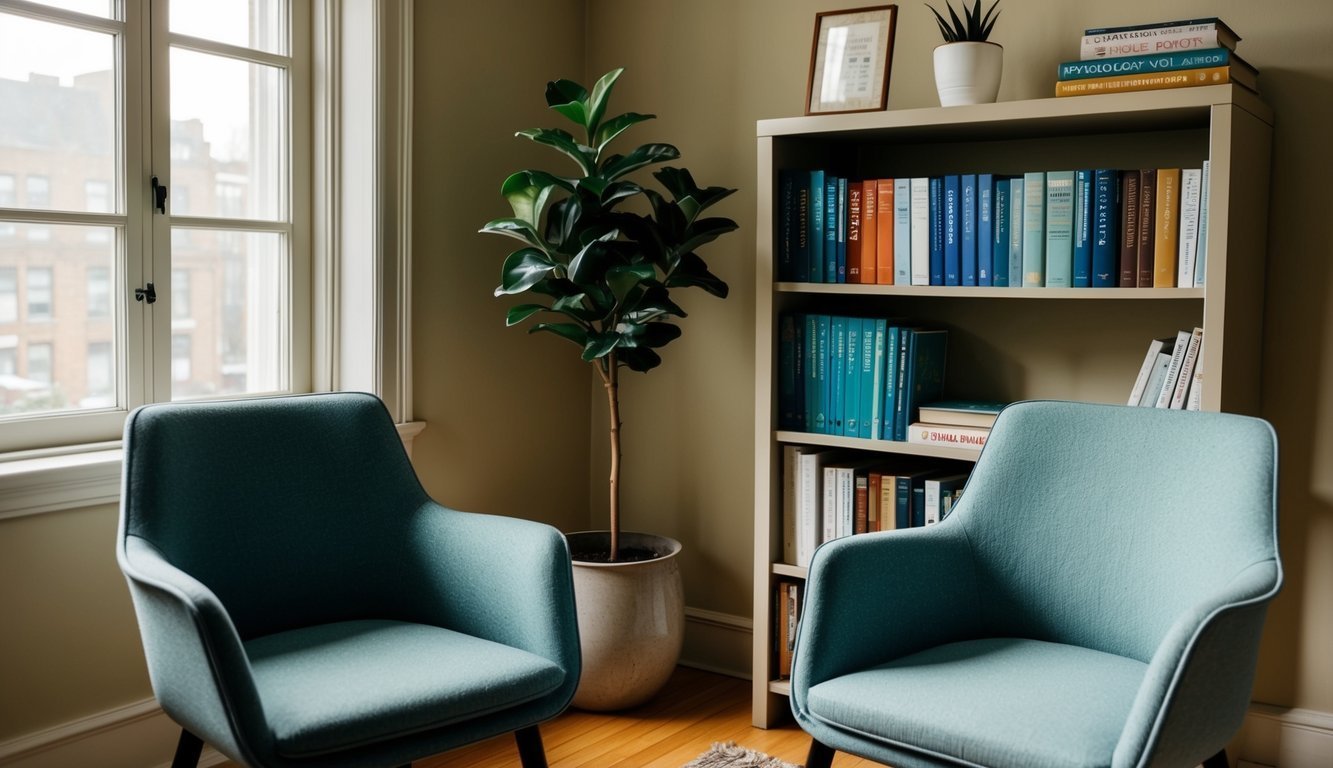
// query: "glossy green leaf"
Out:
[517,229]
[574,305]
[522,312]
[572,331]
[692,271]
[619,165]
[569,99]
[706,231]
[608,131]
[599,345]
[526,197]
[650,334]
[688,196]
[601,91]
[585,156]
[523,269]
[591,263]
[624,279]
[641,359]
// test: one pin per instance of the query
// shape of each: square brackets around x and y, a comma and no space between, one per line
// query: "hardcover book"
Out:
[854,202]
[791,394]
[1165,37]
[923,377]
[1000,244]
[985,229]
[828,270]
[1201,252]
[967,225]
[936,230]
[1155,348]
[1017,195]
[1083,229]
[837,348]
[1166,227]
[1034,229]
[839,261]
[1059,229]
[952,230]
[851,374]
[1241,70]
[961,413]
[920,231]
[869,231]
[1147,225]
[902,231]
[1186,375]
[1129,229]
[1105,216]
[884,221]
[1190,188]
[1185,78]
[1173,370]
[815,252]
[947,435]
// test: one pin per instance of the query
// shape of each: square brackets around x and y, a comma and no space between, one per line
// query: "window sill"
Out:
[32,486]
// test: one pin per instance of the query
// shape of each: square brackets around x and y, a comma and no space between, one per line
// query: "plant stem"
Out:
[611,382]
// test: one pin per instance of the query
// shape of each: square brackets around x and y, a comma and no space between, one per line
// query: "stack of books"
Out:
[1172,373]
[1144,57]
[954,423]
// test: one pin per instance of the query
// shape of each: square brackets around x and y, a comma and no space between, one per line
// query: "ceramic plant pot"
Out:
[631,619]
[968,73]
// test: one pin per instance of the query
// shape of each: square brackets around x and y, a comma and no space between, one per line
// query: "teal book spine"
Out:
[985,229]
[839,274]
[892,340]
[874,427]
[865,377]
[851,377]
[815,255]
[828,272]
[1034,229]
[837,378]
[902,500]
[899,394]
[1083,229]
[820,374]
[1154,62]
[902,232]
[1000,243]
[924,381]
[1016,232]
[790,396]
[1059,229]
[785,237]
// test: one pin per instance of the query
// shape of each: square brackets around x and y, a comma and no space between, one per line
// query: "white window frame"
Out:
[81,474]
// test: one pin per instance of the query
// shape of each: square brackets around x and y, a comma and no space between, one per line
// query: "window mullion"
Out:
[157,226]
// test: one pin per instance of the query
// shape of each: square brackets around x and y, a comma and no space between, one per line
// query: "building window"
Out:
[180,357]
[180,294]
[101,373]
[39,362]
[41,281]
[99,293]
[39,191]
[9,358]
[9,295]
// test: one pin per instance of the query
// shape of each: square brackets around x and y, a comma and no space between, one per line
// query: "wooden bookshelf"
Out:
[1019,343]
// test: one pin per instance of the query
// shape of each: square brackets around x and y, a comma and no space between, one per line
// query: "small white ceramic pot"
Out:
[968,73]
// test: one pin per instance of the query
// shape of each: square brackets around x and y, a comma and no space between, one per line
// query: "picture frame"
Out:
[850,60]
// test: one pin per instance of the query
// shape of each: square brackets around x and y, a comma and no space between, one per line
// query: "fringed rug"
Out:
[729,755]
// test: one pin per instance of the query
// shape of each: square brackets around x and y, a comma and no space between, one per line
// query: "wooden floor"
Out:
[694,710]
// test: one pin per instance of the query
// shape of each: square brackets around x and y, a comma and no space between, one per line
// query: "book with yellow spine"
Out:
[1147,81]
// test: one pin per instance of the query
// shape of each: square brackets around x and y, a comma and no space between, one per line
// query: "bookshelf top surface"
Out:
[1169,108]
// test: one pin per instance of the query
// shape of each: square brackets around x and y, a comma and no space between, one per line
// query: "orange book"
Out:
[884,248]
[1166,223]
[1144,81]
[869,234]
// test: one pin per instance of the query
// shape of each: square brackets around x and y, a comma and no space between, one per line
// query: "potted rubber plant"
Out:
[601,254]
[967,65]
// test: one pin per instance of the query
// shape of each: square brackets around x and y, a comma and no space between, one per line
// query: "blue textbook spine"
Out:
[1017,189]
[1000,243]
[1083,229]
[953,266]
[837,362]
[790,396]
[815,255]
[872,376]
[892,341]
[1153,62]
[839,274]
[936,230]
[819,368]
[1105,216]
[985,228]
[832,210]
[902,231]
[1059,229]
[967,225]
[851,377]
[924,382]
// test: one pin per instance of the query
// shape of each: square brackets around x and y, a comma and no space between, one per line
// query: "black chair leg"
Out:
[530,751]
[821,755]
[188,750]
[1218,760]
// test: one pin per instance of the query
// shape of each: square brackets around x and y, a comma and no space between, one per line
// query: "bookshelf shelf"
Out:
[1012,344]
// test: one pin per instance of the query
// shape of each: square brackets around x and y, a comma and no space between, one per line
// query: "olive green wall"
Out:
[710,69]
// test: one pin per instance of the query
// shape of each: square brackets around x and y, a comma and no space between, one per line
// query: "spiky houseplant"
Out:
[973,27]
[605,272]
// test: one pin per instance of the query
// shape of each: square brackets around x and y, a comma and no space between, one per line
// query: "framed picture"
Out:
[849,62]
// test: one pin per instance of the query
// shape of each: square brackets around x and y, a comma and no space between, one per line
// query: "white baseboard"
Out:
[136,735]
[1285,738]
[717,642]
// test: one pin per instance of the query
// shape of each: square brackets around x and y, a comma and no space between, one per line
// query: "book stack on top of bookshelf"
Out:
[955,423]
[1172,373]
[1083,228]
[1145,57]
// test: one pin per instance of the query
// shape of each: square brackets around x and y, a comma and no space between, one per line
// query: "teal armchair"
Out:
[1094,600]
[302,602]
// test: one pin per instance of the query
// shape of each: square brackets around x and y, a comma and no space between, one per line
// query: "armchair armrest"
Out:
[199,669]
[1195,693]
[875,597]
[498,578]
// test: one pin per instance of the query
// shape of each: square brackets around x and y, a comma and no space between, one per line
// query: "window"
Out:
[231,113]
[9,295]
[40,282]
[9,357]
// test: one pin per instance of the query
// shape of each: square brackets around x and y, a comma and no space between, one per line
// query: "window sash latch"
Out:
[147,293]
[159,196]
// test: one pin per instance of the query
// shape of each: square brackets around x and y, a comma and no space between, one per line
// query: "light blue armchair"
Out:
[1094,600]
[303,602]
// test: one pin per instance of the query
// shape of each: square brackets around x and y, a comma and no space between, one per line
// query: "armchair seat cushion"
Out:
[994,702]
[337,686]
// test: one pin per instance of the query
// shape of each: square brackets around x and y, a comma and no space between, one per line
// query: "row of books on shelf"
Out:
[1172,373]
[856,376]
[1089,228]
[829,493]
[1169,54]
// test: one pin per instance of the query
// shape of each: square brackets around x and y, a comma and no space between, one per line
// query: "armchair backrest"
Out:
[290,509]
[1101,525]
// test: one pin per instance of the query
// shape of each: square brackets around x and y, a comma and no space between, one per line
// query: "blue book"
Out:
[936,230]
[819,375]
[953,266]
[902,231]
[985,228]
[1105,218]
[816,250]
[923,375]
[1059,229]
[1154,62]
[1034,229]
[1016,189]
[1000,244]
[892,352]
[840,263]
[831,215]
[1083,229]
[851,377]
[967,225]
[791,397]
[872,427]
[784,241]
[837,338]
